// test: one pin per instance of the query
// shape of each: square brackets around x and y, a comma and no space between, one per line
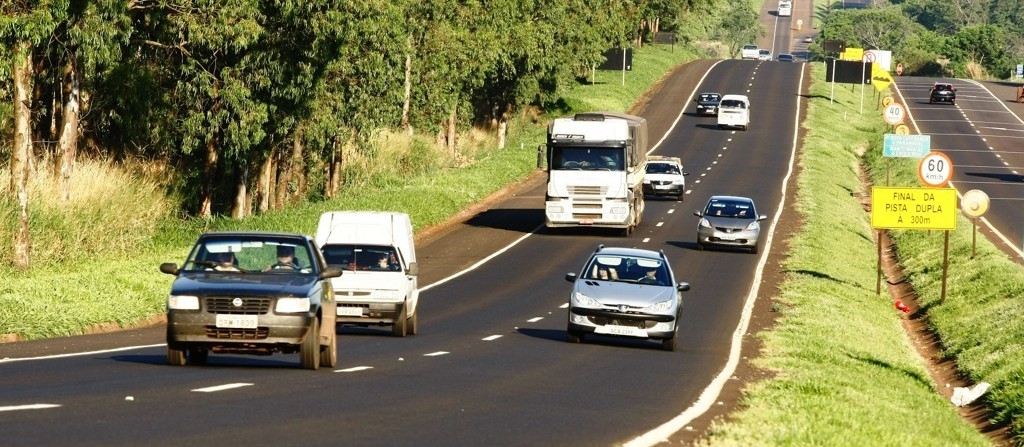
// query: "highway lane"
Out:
[985,141]
[491,364]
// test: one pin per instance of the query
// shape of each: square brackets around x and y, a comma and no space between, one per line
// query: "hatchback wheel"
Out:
[310,350]
[573,337]
[669,344]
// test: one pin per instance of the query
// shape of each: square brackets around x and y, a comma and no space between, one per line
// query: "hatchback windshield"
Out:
[630,269]
[730,208]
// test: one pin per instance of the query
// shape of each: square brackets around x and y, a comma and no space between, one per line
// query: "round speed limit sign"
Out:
[935,169]
[894,113]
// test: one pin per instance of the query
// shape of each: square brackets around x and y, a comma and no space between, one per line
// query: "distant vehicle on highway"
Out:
[665,177]
[785,57]
[252,293]
[625,292]
[707,103]
[942,92]
[764,55]
[734,111]
[785,8]
[729,221]
[749,51]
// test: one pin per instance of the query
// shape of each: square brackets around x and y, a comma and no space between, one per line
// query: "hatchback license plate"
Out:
[627,331]
[236,321]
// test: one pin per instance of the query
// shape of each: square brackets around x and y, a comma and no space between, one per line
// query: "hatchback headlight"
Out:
[292,305]
[704,223]
[183,302]
[659,308]
[585,300]
[753,226]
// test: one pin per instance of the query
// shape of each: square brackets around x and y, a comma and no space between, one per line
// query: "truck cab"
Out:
[376,252]
[595,164]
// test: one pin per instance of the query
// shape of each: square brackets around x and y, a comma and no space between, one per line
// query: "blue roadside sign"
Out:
[907,146]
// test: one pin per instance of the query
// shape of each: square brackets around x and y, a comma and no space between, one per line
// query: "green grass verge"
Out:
[844,370]
[89,287]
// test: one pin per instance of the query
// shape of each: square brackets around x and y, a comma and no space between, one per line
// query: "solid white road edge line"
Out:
[710,394]
[77,354]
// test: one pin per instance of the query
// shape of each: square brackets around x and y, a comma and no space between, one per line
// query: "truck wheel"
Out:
[175,357]
[198,356]
[329,352]
[310,351]
[399,328]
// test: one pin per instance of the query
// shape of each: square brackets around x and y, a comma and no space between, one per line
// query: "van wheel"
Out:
[310,351]
[399,328]
[414,324]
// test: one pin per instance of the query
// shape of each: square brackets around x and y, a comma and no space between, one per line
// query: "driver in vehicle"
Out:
[285,259]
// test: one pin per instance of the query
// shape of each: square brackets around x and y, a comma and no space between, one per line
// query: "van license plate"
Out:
[348,311]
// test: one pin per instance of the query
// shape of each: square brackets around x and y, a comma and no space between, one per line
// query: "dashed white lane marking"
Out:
[28,407]
[564,306]
[673,209]
[435,354]
[214,389]
[646,240]
[534,319]
[354,369]
[492,337]
[659,224]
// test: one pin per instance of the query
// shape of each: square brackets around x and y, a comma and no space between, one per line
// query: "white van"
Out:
[378,286]
[785,8]
[734,111]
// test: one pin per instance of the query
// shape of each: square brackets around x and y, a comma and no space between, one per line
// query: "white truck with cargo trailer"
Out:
[595,165]
[378,286]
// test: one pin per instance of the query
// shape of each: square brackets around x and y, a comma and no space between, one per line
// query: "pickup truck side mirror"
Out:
[169,268]
[331,271]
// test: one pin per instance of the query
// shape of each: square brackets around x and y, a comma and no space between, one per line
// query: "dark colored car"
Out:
[942,92]
[785,57]
[252,293]
[707,103]
[625,292]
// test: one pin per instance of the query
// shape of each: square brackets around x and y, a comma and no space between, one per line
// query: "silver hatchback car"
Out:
[729,221]
[625,292]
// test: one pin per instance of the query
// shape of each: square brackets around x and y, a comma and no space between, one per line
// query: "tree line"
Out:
[957,38]
[249,99]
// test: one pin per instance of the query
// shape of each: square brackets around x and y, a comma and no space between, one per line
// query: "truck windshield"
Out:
[587,159]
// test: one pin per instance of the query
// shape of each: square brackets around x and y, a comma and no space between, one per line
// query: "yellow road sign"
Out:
[880,78]
[887,100]
[911,208]
[852,54]
[902,129]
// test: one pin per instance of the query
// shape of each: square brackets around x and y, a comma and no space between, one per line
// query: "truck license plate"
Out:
[236,321]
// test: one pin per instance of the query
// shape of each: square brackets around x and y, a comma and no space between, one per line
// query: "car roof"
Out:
[270,234]
[663,159]
[737,97]
[629,252]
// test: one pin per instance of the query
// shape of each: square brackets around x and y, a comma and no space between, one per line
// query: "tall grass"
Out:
[845,372]
[84,284]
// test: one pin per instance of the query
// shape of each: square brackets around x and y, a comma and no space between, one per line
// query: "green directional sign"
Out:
[907,146]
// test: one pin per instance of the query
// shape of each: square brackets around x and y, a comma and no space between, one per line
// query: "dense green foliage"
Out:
[982,39]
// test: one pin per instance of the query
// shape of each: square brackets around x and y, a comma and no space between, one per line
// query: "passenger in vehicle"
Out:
[604,273]
[226,262]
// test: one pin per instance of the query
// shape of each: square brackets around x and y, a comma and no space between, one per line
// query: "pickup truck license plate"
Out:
[627,331]
[236,321]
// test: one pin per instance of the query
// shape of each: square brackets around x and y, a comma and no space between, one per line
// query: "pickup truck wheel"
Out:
[310,350]
[399,329]
[414,323]
[198,356]
[329,352]
[175,357]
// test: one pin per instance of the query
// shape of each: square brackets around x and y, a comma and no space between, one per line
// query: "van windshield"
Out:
[362,257]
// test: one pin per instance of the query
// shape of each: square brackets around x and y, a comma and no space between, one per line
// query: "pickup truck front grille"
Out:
[249,305]
[237,334]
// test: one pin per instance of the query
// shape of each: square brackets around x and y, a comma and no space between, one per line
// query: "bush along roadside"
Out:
[843,370]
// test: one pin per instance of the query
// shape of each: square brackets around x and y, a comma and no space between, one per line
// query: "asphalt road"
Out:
[983,135]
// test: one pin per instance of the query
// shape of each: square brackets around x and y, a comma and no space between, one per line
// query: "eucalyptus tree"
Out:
[236,78]
[24,26]
[740,26]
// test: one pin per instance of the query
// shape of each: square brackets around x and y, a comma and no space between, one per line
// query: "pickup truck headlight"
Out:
[292,305]
[183,302]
